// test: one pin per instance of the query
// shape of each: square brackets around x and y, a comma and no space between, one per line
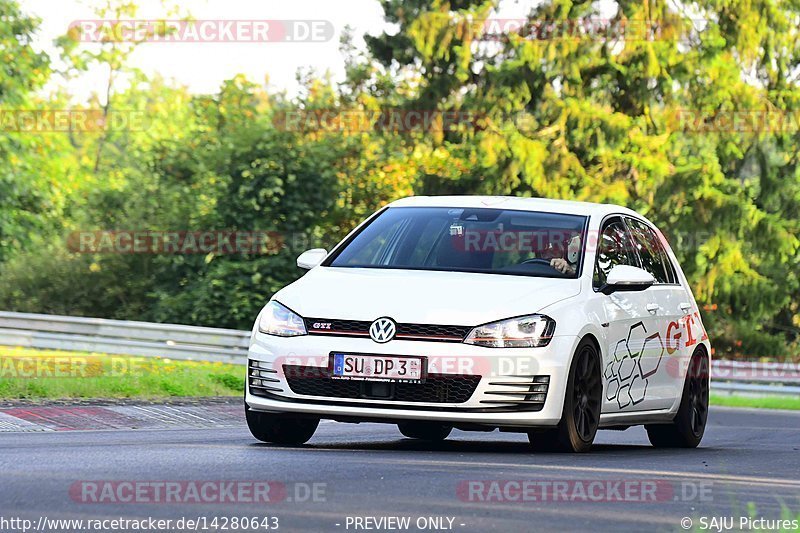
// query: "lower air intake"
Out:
[437,388]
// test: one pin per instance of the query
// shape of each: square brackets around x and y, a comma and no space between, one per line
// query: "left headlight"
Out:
[277,319]
[523,332]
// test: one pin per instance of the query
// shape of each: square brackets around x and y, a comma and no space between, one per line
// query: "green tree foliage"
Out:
[632,110]
[635,121]
[31,198]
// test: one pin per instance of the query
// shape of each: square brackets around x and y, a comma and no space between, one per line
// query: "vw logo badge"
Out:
[382,330]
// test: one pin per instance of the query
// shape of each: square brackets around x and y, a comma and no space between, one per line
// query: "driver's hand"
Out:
[561,265]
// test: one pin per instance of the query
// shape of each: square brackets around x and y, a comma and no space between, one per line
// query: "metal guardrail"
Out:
[175,341]
[750,389]
[755,378]
[122,337]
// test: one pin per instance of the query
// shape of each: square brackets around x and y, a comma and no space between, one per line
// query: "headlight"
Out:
[523,332]
[277,319]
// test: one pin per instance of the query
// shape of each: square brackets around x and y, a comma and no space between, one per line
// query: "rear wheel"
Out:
[279,428]
[424,430]
[689,425]
[578,426]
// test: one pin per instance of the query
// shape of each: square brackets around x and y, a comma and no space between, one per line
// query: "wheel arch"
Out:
[594,340]
[701,347]
[593,337]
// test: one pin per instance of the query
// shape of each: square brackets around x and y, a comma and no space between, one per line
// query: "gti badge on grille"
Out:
[383,330]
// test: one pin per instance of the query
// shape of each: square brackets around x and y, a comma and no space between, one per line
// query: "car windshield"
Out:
[496,241]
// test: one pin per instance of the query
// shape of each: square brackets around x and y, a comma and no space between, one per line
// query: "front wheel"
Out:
[280,428]
[424,430]
[581,418]
[689,425]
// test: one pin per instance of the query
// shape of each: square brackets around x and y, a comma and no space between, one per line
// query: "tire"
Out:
[689,424]
[582,403]
[280,429]
[429,431]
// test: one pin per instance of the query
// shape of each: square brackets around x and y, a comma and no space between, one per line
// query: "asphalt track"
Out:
[748,457]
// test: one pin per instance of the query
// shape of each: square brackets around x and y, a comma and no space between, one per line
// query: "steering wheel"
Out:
[536,260]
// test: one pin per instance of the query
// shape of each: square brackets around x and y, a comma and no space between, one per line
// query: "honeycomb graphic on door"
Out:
[635,359]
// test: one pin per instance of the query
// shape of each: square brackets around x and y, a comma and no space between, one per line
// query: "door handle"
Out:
[685,306]
[652,307]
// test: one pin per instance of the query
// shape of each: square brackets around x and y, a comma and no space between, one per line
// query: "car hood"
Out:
[421,297]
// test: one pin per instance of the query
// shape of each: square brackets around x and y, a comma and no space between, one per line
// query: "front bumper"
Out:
[508,383]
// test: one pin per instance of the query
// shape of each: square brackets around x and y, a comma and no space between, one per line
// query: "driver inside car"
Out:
[568,265]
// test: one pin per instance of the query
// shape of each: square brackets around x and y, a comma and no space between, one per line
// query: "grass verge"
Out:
[55,374]
[768,402]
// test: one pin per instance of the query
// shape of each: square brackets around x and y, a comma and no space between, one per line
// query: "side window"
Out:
[651,251]
[673,276]
[613,248]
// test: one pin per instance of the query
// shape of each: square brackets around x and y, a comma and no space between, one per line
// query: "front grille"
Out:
[360,328]
[322,326]
[437,388]
[433,331]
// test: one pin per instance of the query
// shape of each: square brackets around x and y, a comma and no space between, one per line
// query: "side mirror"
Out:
[311,258]
[627,278]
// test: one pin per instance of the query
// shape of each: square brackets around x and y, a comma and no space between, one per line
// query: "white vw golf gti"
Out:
[546,317]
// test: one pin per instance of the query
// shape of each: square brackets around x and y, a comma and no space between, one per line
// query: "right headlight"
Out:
[277,319]
[522,332]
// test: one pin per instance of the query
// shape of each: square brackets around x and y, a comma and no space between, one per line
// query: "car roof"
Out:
[519,203]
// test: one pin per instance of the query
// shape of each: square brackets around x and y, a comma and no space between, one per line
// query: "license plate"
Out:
[377,367]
